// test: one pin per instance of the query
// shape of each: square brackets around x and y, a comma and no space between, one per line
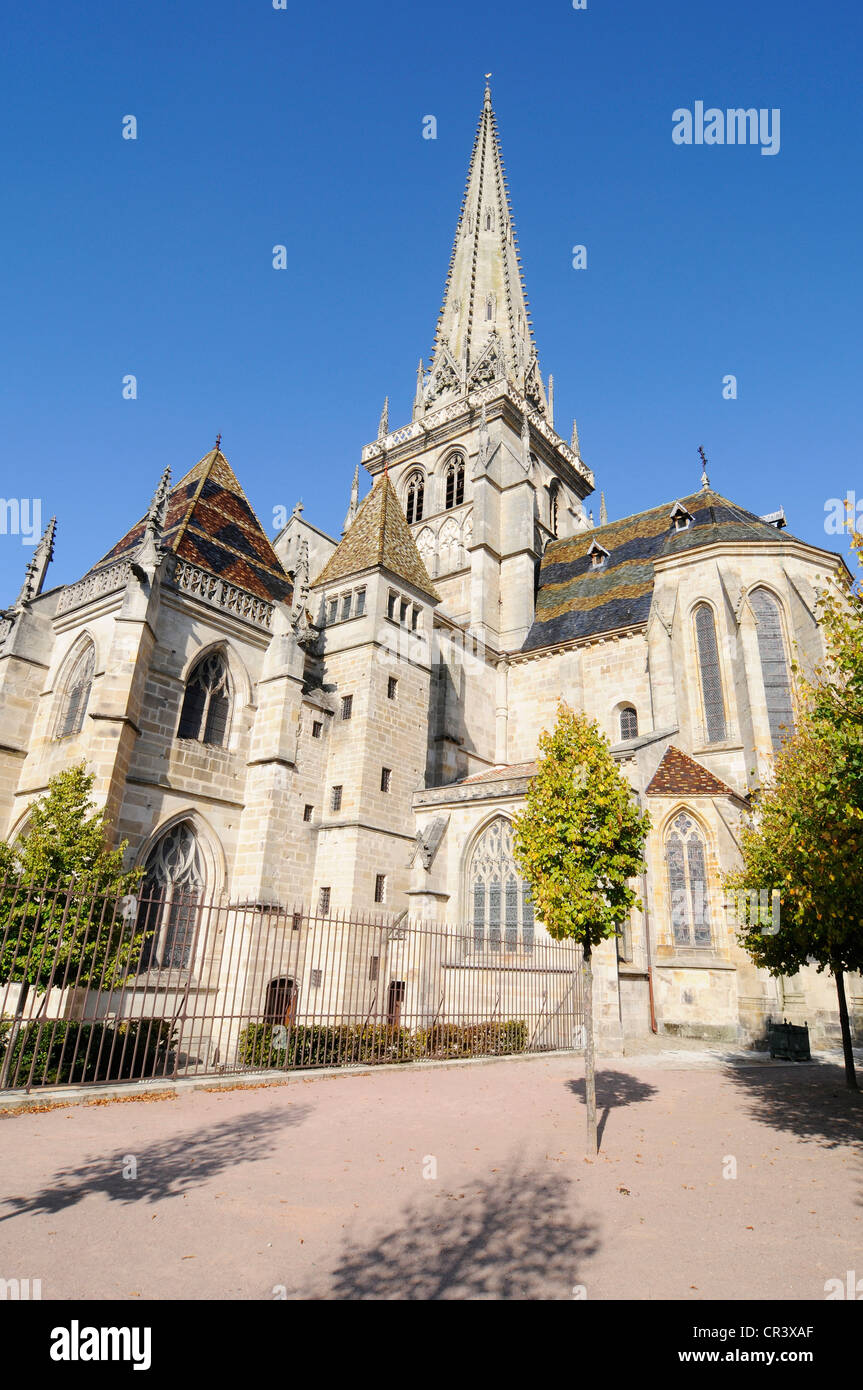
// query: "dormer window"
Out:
[681,519]
[598,555]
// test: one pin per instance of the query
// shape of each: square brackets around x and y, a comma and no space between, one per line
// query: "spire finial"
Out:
[37,565]
[384,425]
[705,481]
[354,502]
[487,97]
[603,510]
[575,444]
[219,441]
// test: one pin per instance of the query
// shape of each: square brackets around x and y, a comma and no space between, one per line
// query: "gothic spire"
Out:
[355,501]
[150,550]
[37,565]
[384,423]
[484,311]
[603,510]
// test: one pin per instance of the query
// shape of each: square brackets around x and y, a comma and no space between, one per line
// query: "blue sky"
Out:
[303,126]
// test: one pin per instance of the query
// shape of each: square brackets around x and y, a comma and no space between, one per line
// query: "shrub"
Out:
[68,1052]
[331,1045]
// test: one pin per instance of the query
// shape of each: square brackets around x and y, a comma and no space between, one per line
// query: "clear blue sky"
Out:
[304,127]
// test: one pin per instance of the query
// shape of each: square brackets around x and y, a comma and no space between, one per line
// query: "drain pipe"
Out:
[646,916]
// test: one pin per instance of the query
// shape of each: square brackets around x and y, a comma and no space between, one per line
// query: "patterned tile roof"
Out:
[501,772]
[379,536]
[210,523]
[680,775]
[577,600]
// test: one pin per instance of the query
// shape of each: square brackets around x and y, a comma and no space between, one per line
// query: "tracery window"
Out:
[553,508]
[207,702]
[169,897]
[711,678]
[774,665]
[76,693]
[499,898]
[686,858]
[415,498]
[454,483]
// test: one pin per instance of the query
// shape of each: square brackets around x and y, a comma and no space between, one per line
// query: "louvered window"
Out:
[711,680]
[774,665]
[207,703]
[77,694]
[687,883]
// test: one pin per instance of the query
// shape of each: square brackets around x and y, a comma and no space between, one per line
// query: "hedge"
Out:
[344,1044]
[68,1051]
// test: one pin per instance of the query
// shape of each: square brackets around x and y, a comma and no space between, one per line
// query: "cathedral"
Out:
[351,722]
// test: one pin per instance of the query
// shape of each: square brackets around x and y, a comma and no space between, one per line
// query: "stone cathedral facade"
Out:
[350,723]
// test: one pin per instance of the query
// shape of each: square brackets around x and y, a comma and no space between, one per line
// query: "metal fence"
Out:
[96,989]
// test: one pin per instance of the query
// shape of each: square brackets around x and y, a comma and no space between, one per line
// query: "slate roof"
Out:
[379,537]
[680,775]
[576,600]
[210,523]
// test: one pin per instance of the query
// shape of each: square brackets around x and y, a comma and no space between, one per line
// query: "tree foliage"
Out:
[805,838]
[580,839]
[61,885]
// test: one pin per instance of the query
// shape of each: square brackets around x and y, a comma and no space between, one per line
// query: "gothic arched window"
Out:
[628,722]
[454,482]
[686,858]
[168,902]
[774,665]
[553,500]
[76,693]
[711,678]
[207,702]
[415,498]
[500,903]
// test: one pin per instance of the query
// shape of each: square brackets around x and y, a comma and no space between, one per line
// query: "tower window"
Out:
[386,778]
[346,606]
[380,888]
[324,900]
[415,498]
[628,722]
[361,603]
[392,687]
[307,813]
[336,799]
[347,706]
[317,728]
[553,507]
[392,600]
[454,483]
[332,610]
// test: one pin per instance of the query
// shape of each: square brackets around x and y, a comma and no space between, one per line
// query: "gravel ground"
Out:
[718,1177]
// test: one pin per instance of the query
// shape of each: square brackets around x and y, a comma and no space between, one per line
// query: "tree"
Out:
[60,884]
[805,839]
[579,842]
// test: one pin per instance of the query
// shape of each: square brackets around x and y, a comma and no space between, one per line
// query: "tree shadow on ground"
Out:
[613,1089]
[810,1100]
[166,1168]
[516,1238]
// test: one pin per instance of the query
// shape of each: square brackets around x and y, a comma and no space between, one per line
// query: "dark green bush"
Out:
[344,1044]
[67,1051]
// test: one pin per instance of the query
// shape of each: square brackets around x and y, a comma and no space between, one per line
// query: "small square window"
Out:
[336,799]
[347,706]
[392,600]
[317,977]
[386,777]
[307,812]
[332,610]
[361,603]
[296,921]
[324,900]
[346,606]
[380,888]
[317,729]
[392,688]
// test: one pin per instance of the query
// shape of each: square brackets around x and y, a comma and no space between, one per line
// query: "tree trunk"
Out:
[850,1073]
[589,1058]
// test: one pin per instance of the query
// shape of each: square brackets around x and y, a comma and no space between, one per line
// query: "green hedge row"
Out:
[344,1044]
[68,1051]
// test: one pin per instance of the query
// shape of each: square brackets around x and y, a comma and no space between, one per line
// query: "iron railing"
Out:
[167,984]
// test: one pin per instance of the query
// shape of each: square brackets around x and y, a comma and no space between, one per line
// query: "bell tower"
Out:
[483,478]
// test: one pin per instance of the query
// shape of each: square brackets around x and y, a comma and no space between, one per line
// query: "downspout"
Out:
[646,914]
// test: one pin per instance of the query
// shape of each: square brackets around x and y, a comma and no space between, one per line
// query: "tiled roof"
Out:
[210,523]
[379,536]
[680,775]
[577,600]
